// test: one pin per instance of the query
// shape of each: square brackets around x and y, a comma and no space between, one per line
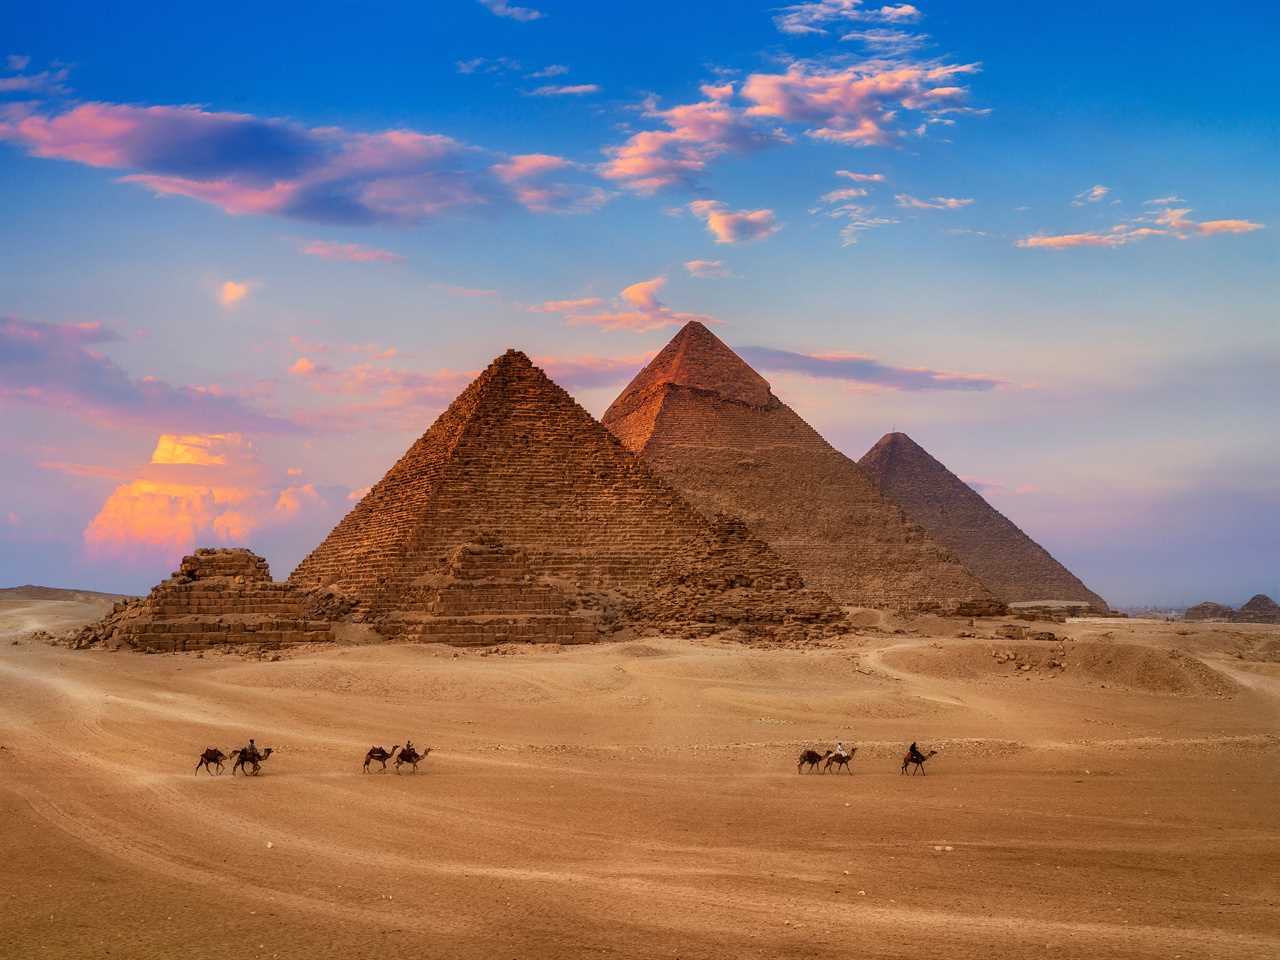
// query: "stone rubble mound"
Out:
[216,598]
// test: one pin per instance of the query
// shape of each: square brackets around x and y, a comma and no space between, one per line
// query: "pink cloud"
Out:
[735,226]
[1209,228]
[250,165]
[860,105]
[58,366]
[1067,240]
[567,306]
[589,371]
[813,17]
[1093,195]
[351,252]
[696,134]
[541,197]
[937,203]
[1170,222]
[197,489]
[707,269]
[637,308]
[861,177]
[231,292]
[847,193]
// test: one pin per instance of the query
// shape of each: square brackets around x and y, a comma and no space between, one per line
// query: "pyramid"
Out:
[1259,609]
[517,516]
[711,426]
[1208,611]
[216,597]
[1015,567]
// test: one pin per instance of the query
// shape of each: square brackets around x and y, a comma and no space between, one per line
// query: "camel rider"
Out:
[913,753]
[408,747]
[251,752]
[840,750]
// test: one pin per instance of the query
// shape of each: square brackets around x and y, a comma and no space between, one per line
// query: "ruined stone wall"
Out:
[796,492]
[215,597]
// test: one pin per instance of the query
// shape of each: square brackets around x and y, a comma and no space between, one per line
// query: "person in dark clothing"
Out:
[914,755]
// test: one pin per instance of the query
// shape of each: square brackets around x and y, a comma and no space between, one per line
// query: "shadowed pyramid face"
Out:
[712,427]
[1015,567]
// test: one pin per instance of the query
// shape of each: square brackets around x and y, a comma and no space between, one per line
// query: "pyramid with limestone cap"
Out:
[711,426]
[1015,567]
[517,516]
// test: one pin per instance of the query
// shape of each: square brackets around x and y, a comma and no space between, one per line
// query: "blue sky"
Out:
[335,214]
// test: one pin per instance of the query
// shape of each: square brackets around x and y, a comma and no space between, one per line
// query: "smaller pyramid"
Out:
[216,597]
[1208,611]
[1015,567]
[711,427]
[518,517]
[1259,609]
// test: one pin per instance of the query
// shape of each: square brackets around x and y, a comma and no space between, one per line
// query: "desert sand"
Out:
[641,799]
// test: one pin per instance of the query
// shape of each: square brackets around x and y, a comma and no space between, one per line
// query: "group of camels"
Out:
[248,760]
[913,758]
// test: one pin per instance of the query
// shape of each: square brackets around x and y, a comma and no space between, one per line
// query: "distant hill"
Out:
[30,591]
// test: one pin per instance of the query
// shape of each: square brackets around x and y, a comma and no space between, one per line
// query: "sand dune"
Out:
[641,800]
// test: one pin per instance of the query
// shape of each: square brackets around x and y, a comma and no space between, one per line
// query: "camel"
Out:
[244,759]
[908,760]
[212,757]
[812,758]
[412,757]
[381,754]
[840,761]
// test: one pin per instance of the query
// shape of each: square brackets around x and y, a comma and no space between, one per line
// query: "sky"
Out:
[249,252]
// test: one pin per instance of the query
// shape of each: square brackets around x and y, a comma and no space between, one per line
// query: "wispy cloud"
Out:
[569,90]
[245,164]
[546,73]
[351,252]
[588,372]
[59,366]
[886,42]
[1093,195]
[861,177]
[816,16]
[637,308]
[1163,201]
[867,370]
[735,226]
[1169,222]
[707,269]
[50,82]
[503,8]
[866,104]
[936,203]
[696,134]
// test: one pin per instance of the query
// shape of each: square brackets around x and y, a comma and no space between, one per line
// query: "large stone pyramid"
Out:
[711,426]
[216,597]
[1015,567]
[517,516]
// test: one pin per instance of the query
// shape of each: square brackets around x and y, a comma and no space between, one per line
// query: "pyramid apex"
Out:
[695,357]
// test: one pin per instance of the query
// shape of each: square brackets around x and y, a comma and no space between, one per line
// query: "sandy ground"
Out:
[641,800]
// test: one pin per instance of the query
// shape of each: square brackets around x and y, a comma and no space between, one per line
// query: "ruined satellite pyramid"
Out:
[1015,567]
[216,597]
[711,426]
[517,516]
